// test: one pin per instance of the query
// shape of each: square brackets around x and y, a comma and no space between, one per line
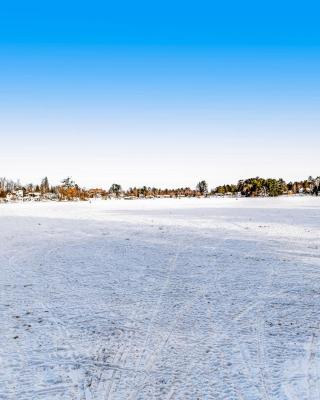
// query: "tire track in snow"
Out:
[185,374]
[72,352]
[261,357]
[313,375]
[120,358]
[150,361]
[244,351]
[58,324]
[171,269]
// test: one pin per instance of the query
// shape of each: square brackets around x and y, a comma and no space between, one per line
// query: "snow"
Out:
[161,299]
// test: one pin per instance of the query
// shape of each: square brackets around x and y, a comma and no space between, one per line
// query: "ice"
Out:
[161,299]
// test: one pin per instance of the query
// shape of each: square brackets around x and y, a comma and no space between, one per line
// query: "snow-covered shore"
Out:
[161,299]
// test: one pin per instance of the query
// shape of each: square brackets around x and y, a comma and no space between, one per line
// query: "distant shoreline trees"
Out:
[260,187]
[68,190]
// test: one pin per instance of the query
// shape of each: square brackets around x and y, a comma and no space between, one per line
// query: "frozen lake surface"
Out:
[161,299]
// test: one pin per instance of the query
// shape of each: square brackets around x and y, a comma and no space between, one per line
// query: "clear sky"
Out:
[161,93]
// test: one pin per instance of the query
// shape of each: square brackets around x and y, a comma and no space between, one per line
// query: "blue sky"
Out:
[159,93]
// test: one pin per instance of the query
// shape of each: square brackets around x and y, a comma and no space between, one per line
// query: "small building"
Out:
[11,196]
[130,198]
[20,194]
[34,196]
[15,195]
[50,196]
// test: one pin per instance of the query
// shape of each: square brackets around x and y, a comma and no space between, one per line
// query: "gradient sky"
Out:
[159,93]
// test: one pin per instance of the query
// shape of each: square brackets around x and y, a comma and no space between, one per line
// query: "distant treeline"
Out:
[69,190]
[270,187]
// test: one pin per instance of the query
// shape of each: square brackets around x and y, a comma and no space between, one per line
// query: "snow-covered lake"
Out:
[161,299]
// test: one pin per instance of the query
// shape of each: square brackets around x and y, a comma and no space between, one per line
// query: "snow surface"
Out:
[161,299]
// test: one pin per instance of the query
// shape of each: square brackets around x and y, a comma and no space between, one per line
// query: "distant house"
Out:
[34,196]
[96,193]
[15,195]
[50,196]
[11,197]
[20,194]
[130,198]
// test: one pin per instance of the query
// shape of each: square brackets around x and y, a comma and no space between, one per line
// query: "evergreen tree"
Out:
[202,187]
[116,189]
[44,187]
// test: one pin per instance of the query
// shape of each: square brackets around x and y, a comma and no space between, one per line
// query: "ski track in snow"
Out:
[161,299]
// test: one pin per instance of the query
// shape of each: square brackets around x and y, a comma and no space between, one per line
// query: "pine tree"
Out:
[44,187]
[202,187]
